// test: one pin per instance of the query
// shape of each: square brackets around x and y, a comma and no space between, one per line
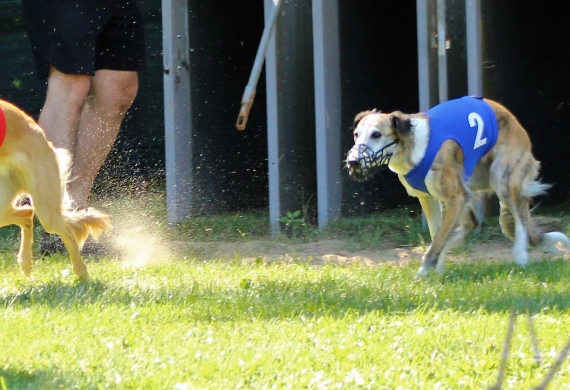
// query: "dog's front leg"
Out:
[434,256]
[432,210]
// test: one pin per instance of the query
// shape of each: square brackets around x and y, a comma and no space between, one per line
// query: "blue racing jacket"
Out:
[470,122]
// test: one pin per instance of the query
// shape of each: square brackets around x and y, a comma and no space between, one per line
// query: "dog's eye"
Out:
[355,134]
[376,135]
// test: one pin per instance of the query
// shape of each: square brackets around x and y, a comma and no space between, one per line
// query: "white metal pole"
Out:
[441,51]
[177,115]
[423,54]
[326,59]
[474,47]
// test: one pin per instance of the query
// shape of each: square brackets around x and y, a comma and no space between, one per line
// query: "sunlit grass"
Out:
[193,321]
[226,324]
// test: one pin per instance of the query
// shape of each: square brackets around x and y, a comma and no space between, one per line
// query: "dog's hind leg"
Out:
[20,216]
[511,179]
[48,198]
[522,223]
[51,218]
[507,221]
[548,242]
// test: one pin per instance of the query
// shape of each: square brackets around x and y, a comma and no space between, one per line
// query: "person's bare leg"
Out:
[112,93]
[65,98]
[59,118]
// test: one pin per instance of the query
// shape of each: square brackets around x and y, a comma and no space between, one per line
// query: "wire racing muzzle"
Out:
[368,162]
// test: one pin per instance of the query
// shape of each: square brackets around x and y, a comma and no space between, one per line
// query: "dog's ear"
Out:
[361,115]
[401,123]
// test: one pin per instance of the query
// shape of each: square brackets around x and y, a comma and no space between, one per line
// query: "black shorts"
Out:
[82,36]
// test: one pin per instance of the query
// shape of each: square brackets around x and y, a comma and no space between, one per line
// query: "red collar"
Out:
[2,127]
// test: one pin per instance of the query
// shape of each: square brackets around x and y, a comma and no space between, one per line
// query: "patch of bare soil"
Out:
[339,251]
[336,252]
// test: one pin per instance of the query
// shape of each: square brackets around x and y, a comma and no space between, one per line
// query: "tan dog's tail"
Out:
[552,242]
[86,222]
[534,188]
[549,242]
[83,222]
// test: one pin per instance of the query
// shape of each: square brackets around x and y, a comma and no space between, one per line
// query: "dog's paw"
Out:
[521,258]
[555,242]
[440,267]
[85,279]
[422,272]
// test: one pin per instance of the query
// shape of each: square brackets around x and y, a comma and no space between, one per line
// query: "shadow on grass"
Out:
[40,379]
[469,288]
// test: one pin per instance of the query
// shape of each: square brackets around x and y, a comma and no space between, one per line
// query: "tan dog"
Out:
[505,166]
[30,165]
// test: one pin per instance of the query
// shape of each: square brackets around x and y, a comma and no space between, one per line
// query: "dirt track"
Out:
[336,251]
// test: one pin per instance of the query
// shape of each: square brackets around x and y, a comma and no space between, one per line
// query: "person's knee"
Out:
[127,96]
[115,89]
[69,89]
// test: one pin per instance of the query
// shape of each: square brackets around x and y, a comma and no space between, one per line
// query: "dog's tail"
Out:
[552,242]
[549,242]
[83,222]
[534,188]
[86,222]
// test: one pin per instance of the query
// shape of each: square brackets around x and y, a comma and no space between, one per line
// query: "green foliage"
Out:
[398,227]
[12,18]
[17,83]
[295,225]
[229,227]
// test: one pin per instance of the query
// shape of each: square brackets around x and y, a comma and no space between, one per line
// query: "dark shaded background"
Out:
[526,56]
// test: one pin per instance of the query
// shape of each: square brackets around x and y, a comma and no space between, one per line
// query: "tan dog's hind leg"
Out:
[513,180]
[46,192]
[521,225]
[507,222]
[518,227]
[50,217]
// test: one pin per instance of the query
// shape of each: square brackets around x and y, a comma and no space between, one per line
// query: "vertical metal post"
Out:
[474,47]
[290,111]
[177,123]
[432,69]
[423,54]
[441,51]
[272,127]
[475,74]
[326,59]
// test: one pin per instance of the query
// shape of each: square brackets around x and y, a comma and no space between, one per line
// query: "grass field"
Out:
[196,322]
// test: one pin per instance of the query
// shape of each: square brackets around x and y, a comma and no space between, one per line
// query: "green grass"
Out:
[198,322]
[396,227]
[224,324]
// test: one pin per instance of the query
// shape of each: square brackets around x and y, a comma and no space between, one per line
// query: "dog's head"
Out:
[377,137]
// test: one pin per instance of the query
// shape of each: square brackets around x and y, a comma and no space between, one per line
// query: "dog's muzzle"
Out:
[363,163]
